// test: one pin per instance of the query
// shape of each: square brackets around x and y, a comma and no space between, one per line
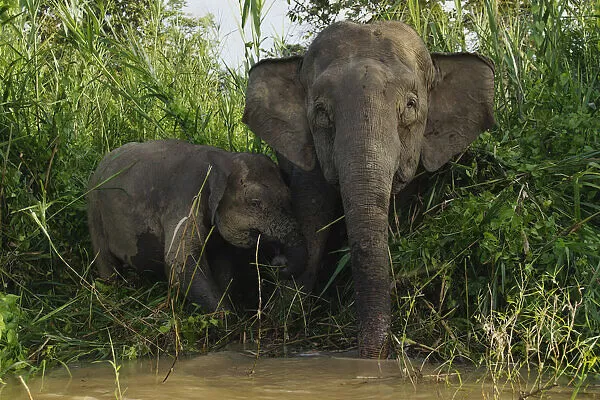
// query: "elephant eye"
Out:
[255,202]
[411,103]
[321,116]
[408,114]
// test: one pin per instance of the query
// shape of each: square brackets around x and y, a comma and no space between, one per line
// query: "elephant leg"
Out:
[106,262]
[239,276]
[199,286]
[188,268]
[219,255]
[315,204]
[221,266]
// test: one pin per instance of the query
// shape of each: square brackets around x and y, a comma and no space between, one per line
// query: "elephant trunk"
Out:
[296,257]
[366,210]
[365,179]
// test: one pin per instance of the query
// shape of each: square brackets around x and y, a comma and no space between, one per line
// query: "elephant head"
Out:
[248,198]
[367,102]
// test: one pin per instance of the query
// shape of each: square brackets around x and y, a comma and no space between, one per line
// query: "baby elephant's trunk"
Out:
[292,256]
[296,260]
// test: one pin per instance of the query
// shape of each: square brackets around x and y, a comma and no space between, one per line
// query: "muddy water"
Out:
[228,375]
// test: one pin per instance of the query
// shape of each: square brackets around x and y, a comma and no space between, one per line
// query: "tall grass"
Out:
[495,257]
[73,88]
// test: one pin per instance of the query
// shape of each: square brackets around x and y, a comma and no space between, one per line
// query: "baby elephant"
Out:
[152,206]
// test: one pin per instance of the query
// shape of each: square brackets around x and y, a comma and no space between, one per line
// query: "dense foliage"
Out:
[502,247]
[73,88]
[317,14]
[495,257]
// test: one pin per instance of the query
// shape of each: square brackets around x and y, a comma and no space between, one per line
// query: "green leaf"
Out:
[340,267]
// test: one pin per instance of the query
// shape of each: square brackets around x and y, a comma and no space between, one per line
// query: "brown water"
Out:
[227,375]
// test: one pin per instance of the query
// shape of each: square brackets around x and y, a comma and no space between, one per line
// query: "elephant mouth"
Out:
[265,240]
[269,245]
[269,251]
[252,238]
[399,183]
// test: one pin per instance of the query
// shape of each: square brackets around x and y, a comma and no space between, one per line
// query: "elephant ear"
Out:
[218,177]
[460,106]
[276,109]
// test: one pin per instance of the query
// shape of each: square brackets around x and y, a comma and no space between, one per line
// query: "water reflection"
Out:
[237,375]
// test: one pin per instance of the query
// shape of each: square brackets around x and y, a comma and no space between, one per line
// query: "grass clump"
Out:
[497,257]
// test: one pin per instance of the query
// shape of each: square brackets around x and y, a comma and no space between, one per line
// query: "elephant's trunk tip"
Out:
[296,259]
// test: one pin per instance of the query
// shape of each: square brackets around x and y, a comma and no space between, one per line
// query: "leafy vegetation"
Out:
[499,254]
[73,88]
[496,257]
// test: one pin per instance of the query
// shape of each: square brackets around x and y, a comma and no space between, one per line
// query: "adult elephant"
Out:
[367,102]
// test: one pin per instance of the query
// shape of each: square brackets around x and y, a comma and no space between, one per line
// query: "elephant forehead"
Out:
[346,74]
[390,43]
[256,167]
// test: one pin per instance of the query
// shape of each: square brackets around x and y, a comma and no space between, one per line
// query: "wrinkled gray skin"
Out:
[356,114]
[141,215]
